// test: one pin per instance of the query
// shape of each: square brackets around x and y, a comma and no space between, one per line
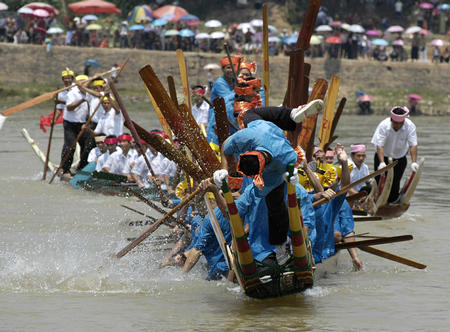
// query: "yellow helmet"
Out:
[67,72]
[182,187]
[81,78]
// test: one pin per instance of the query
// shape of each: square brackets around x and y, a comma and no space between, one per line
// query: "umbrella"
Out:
[176,11]
[426,5]
[25,11]
[140,13]
[380,42]
[137,27]
[356,28]
[211,66]
[245,27]
[274,39]
[345,26]
[186,33]
[315,40]
[413,29]
[93,26]
[89,17]
[213,24]
[217,35]
[55,30]
[202,35]
[324,28]
[41,5]
[414,96]
[3,6]
[272,28]
[333,40]
[444,6]
[425,32]
[373,33]
[159,22]
[437,42]
[41,13]
[364,97]
[94,7]
[92,63]
[188,18]
[335,23]
[398,42]
[39,29]
[257,22]
[395,28]
[171,32]
[290,40]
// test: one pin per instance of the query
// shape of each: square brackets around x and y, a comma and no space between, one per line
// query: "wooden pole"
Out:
[392,257]
[266,54]
[47,156]
[373,242]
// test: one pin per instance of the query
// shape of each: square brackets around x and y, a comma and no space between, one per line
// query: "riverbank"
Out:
[28,70]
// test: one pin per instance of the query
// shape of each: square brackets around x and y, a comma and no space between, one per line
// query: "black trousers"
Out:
[399,169]
[71,131]
[278,215]
[279,116]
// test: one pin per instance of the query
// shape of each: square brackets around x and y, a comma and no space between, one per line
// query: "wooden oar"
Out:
[328,113]
[227,51]
[155,226]
[47,156]
[184,78]
[336,118]
[139,212]
[373,242]
[161,118]
[266,54]
[137,140]
[346,188]
[40,99]
[368,218]
[172,90]
[211,105]
[393,257]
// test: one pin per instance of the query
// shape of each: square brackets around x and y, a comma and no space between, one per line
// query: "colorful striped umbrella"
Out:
[140,13]
[176,11]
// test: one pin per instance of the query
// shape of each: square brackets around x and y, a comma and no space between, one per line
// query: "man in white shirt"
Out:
[200,107]
[393,138]
[119,162]
[74,116]
[98,150]
[111,121]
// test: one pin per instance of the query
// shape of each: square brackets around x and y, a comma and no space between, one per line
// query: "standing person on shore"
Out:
[76,112]
[393,138]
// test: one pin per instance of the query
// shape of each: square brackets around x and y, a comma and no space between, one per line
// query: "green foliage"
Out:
[293,10]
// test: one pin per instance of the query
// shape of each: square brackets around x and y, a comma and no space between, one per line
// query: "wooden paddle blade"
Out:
[170,152]
[32,102]
[161,118]
[308,24]
[392,257]
[184,78]
[328,114]
[172,90]
[337,116]
[309,124]
[222,127]
[373,242]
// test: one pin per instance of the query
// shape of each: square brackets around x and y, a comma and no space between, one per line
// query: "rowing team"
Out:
[259,188]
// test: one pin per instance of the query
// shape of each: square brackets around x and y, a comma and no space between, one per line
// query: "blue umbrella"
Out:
[380,42]
[186,33]
[137,27]
[188,18]
[444,6]
[92,63]
[290,40]
[90,17]
[159,22]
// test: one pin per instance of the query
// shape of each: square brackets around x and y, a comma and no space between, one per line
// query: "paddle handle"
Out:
[373,242]
[47,156]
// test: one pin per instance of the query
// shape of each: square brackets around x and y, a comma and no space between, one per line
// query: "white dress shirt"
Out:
[118,163]
[201,113]
[358,173]
[110,123]
[80,113]
[395,143]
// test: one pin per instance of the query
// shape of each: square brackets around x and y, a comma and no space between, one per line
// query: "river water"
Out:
[56,242]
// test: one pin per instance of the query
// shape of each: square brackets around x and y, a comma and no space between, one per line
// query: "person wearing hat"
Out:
[99,149]
[360,169]
[393,138]
[74,117]
[111,120]
[200,107]
[111,147]
[120,161]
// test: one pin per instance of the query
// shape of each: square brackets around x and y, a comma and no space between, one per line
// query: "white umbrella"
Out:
[345,26]
[256,22]
[55,30]
[211,66]
[3,6]
[217,35]
[356,28]
[213,24]
[202,35]
[245,27]
[324,28]
[41,13]
[395,28]
[274,39]
[25,10]
[413,29]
